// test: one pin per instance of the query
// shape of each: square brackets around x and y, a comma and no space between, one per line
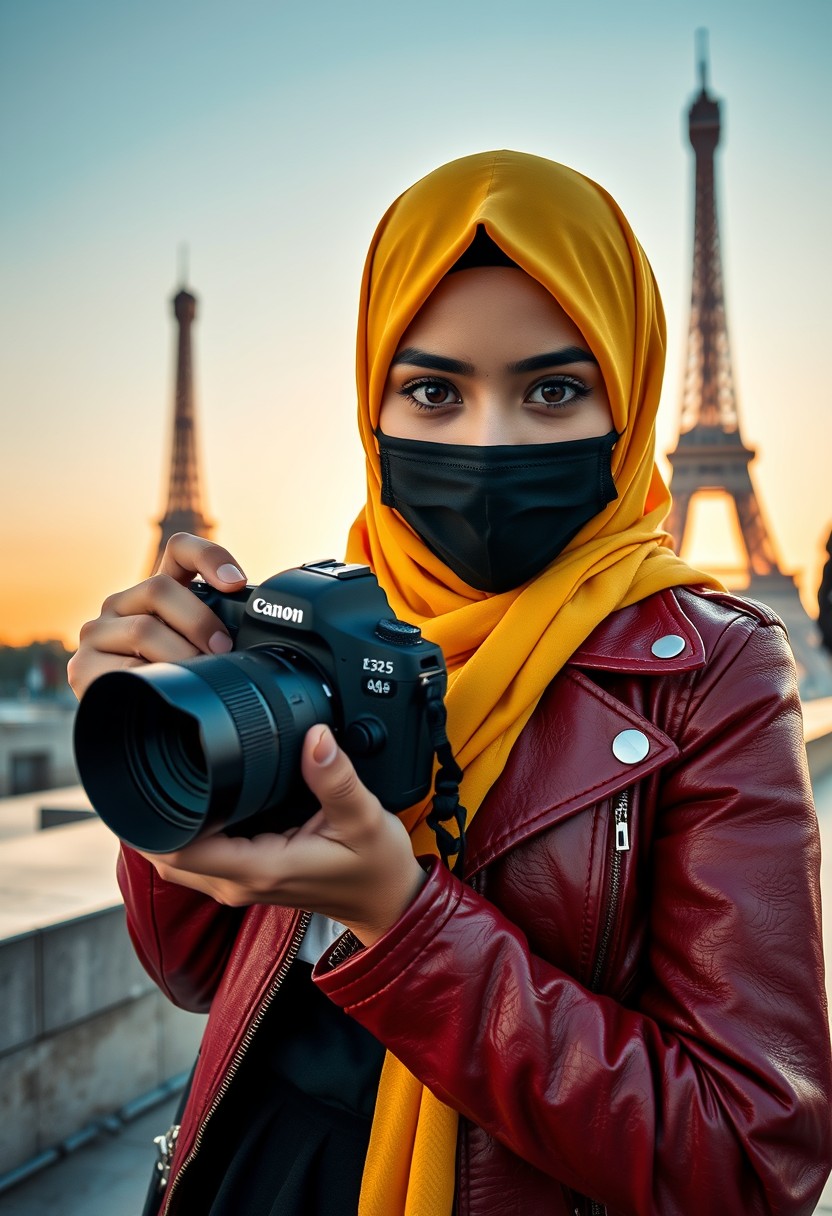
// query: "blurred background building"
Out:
[37,710]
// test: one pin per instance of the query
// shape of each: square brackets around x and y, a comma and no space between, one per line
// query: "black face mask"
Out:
[497,516]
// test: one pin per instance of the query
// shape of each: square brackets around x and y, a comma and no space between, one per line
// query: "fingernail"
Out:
[219,643]
[229,573]
[326,749]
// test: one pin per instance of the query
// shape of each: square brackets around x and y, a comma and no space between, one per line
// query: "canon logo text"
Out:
[280,612]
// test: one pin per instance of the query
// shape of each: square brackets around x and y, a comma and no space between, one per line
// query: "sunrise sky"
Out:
[270,137]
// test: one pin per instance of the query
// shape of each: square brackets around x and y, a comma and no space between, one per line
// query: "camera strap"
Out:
[446,804]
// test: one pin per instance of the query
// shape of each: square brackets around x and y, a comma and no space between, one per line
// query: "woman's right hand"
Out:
[159,620]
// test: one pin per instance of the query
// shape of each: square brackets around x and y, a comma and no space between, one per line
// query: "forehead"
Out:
[490,301]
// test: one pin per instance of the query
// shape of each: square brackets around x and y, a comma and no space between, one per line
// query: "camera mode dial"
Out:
[399,633]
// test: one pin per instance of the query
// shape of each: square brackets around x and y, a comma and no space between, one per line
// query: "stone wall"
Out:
[83,1032]
[83,1029]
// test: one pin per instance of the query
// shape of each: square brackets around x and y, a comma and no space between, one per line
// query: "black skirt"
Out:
[290,1136]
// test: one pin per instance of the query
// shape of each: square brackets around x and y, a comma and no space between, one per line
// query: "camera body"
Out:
[371,665]
[170,751]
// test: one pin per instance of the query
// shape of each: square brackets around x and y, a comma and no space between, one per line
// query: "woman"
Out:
[617,1002]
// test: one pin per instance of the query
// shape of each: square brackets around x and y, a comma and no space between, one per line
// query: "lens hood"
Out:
[169,752]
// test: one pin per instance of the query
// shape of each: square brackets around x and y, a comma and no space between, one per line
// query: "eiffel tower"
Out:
[710,453]
[183,512]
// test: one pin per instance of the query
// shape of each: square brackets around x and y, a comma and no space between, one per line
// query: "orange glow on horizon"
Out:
[47,608]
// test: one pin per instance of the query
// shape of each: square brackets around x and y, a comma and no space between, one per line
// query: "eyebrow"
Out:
[436,363]
[554,358]
[458,367]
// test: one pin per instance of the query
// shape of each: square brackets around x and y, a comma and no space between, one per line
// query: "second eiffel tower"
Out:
[710,453]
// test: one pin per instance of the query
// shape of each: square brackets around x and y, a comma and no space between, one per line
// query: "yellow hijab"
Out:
[503,650]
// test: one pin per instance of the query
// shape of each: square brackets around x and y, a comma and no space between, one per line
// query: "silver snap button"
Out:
[668,646]
[631,746]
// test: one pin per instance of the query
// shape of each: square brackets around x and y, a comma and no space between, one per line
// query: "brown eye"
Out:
[560,390]
[430,394]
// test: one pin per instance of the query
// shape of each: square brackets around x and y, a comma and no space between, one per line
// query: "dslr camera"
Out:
[172,751]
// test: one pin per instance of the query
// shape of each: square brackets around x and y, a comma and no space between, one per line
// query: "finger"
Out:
[193,880]
[143,637]
[234,858]
[86,666]
[174,605]
[186,555]
[330,775]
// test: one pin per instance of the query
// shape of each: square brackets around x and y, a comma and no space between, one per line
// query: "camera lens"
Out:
[171,751]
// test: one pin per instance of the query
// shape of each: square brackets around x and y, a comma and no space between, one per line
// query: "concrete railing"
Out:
[83,1030]
[817,732]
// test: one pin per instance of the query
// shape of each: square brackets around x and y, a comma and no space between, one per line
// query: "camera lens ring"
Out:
[252,720]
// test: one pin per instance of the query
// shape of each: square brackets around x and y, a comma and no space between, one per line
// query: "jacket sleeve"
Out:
[711,1094]
[182,937]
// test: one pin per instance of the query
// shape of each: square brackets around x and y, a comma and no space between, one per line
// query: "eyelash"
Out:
[579,388]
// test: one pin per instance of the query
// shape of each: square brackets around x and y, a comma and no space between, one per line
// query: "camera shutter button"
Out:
[400,633]
[364,737]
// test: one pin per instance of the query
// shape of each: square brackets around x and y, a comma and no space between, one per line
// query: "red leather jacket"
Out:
[625,999]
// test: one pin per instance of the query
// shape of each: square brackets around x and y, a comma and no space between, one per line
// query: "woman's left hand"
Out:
[352,860]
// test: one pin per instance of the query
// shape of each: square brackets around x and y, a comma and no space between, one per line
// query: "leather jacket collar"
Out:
[568,757]
[624,642]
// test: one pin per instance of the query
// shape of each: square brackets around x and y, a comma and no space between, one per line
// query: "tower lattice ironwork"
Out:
[183,512]
[710,453]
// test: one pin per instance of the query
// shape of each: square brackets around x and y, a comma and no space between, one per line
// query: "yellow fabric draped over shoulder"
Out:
[503,650]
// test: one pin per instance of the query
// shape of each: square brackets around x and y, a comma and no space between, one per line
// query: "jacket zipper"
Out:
[621,829]
[243,1047]
[621,840]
